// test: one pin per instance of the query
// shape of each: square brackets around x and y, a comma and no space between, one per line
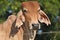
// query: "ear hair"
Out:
[20,19]
[44,18]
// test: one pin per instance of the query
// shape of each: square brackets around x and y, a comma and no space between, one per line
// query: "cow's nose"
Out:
[35,26]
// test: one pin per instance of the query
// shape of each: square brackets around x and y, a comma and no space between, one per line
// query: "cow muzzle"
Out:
[35,26]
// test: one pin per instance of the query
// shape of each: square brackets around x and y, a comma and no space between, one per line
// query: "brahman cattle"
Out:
[29,18]
[25,25]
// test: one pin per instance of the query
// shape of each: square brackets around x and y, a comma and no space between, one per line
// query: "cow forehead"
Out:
[31,5]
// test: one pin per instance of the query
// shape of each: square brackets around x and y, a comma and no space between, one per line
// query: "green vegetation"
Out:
[50,7]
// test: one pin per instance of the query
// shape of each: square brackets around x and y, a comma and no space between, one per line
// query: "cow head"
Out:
[31,14]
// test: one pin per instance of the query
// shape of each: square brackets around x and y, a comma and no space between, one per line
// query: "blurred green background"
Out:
[50,7]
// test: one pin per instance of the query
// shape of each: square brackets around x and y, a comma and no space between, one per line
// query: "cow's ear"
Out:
[43,18]
[20,19]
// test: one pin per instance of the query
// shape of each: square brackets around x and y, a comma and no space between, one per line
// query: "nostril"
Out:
[32,24]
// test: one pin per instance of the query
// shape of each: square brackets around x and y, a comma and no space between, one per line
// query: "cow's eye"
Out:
[38,9]
[24,10]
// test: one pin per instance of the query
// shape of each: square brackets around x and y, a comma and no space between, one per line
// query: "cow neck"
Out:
[27,32]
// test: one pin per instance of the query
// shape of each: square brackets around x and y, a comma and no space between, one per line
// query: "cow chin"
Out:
[33,31]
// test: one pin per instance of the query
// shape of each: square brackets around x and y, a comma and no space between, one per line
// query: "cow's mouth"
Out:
[32,34]
[33,30]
